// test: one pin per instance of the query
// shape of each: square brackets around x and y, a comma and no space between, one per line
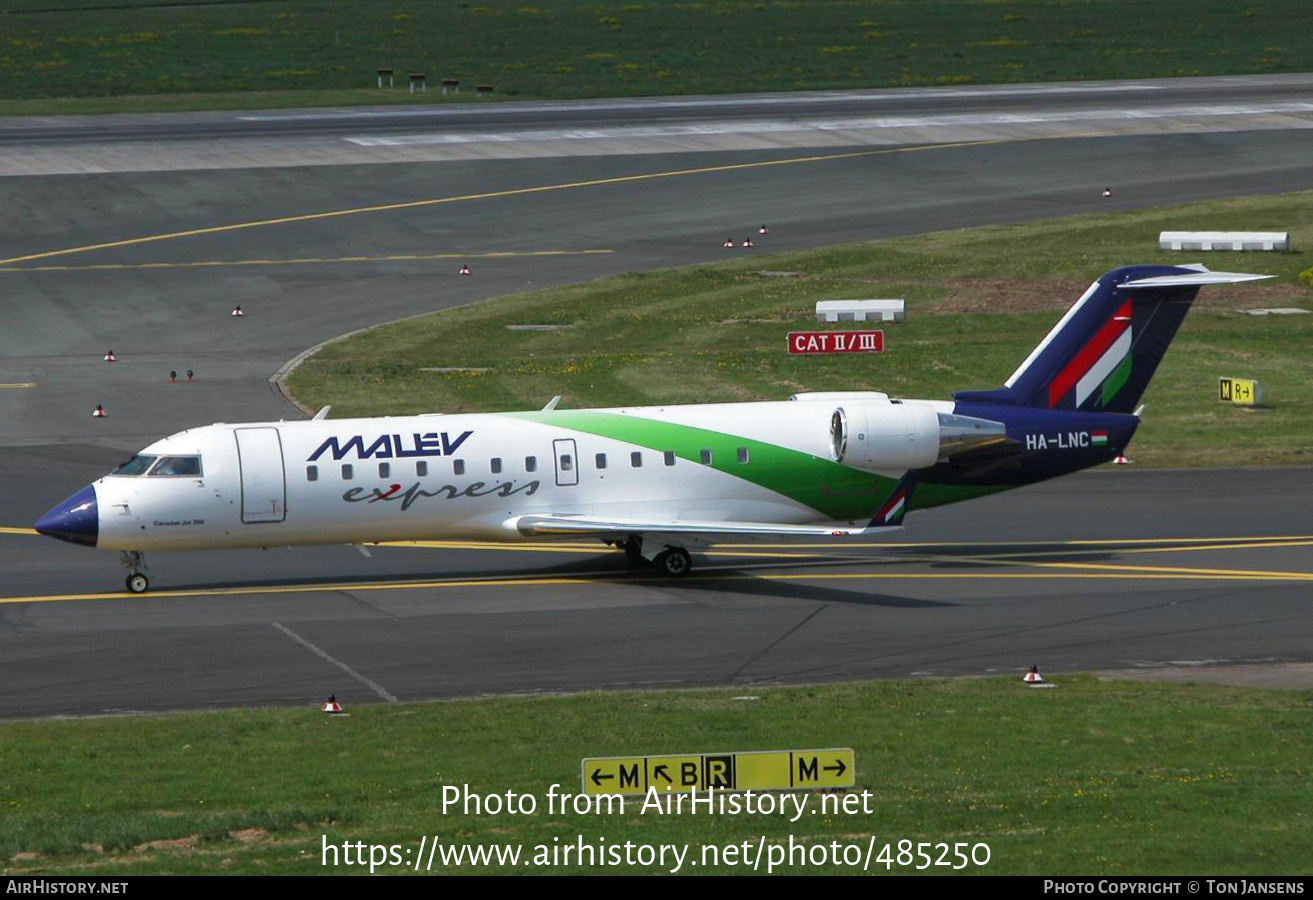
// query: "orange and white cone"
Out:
[99,411]
[465,269]
[110,357]
[1033,676]
[1121,460]
[331,706]
[237,311]
[763,230]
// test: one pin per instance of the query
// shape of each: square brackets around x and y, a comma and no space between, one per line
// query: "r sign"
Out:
[836,341]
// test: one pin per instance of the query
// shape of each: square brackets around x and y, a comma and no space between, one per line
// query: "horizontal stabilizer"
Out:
[1194,279]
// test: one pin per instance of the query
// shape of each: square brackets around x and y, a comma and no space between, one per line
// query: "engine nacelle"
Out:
[892,436]
[884,436]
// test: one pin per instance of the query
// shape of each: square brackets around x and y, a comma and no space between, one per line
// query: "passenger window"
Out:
[311,473]
[348,471]
[496,466]
[601,460]
[531,464]
[706,457]
[135,466]
[385,470]
[636,459]
[743,454]
[670,457]
[458,466]
[178,465]
[421,468]
[567,462]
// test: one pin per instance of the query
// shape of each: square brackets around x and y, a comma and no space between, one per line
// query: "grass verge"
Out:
[308,52]
[978,301]
[1106,777]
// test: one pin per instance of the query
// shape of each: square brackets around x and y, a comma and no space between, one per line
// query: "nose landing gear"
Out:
[138,582]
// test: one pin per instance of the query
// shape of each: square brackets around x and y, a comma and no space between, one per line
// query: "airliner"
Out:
[655,482]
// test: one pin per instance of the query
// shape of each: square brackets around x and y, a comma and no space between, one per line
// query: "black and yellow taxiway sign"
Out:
[757,770]
[1240,391]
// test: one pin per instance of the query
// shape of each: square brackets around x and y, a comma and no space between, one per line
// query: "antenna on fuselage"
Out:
[552,403]
[322,414]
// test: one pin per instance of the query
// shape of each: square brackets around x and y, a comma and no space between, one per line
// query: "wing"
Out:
[888,518]
[586,526]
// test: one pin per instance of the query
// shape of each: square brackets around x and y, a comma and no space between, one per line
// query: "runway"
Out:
[148,263]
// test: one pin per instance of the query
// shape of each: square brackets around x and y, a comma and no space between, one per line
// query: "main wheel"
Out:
[138,583]
[634,551]
[674,563]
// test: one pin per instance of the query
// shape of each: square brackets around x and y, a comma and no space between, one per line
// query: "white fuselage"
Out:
[435,476]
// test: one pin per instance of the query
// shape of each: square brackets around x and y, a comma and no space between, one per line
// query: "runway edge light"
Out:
[1034,679]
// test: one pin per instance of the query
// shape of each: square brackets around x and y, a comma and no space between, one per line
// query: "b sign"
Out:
[836,341]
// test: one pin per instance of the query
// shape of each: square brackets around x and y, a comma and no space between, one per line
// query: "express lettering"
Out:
[390,446]
[394,493]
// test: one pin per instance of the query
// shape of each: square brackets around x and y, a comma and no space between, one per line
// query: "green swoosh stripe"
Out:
[835,491]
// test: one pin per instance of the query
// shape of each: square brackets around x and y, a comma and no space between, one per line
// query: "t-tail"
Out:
[1102,354]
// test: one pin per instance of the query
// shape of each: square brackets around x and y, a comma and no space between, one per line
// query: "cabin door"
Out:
[264,487]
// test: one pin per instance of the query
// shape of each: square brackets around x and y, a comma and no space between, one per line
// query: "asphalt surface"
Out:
[1009,99]
[240,628]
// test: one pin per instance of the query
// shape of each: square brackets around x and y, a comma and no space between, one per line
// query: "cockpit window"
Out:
[135,466]
[178,465]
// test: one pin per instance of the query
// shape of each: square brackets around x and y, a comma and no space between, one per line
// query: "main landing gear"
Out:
[138,582]
[633,548]
[673,562]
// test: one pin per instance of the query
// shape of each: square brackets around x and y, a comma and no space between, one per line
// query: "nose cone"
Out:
[76,520]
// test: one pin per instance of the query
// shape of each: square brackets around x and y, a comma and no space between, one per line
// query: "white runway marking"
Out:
[712,102]
[372,685]
[863,123]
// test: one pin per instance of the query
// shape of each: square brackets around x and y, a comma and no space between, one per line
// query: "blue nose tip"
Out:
[76,520]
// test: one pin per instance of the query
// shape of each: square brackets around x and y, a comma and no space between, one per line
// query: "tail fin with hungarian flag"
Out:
[1103,352]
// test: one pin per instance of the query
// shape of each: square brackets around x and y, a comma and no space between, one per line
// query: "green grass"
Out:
[305,52]
[978,301]
[1119,777]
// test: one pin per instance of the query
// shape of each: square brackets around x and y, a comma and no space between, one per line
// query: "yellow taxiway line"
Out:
[1137,573]
[306,261]
[487,195]
[1053,570]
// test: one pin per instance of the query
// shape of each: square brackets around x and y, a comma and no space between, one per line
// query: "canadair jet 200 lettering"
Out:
[653,481]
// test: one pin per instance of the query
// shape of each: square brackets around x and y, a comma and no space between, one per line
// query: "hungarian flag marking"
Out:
[893,507]
[1099,439]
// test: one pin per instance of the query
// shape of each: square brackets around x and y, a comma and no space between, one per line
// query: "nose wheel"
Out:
[138,582]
